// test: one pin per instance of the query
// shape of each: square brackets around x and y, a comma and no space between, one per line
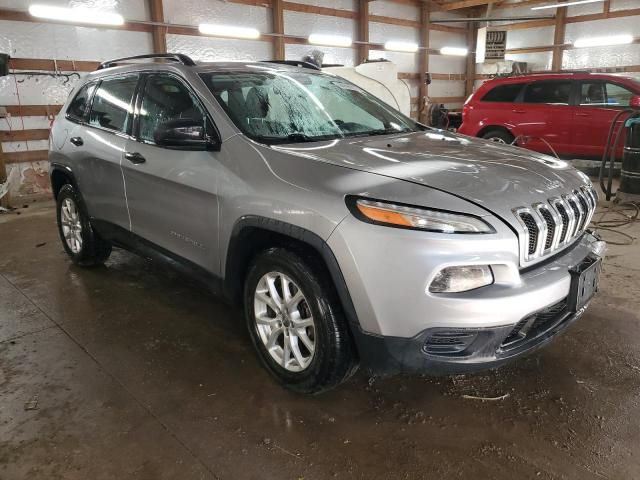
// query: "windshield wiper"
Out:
[298,137]
[381,131]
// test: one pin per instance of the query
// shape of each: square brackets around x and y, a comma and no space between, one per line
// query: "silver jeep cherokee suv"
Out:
[350,233]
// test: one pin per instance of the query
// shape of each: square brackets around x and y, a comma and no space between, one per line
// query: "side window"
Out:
[554,92]
[78,106]
[618,96]
[503,93]
[165,98]
[593,94]
[112,103]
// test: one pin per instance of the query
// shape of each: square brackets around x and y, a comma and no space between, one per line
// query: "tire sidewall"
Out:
[318,302]
[68,191]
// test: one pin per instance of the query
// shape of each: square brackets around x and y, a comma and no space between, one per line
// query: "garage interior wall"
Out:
[32,101]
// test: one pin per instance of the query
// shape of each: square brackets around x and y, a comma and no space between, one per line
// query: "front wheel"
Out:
[83,245]
[296,322]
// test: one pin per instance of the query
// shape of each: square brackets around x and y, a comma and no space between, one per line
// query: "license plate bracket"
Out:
[584,282]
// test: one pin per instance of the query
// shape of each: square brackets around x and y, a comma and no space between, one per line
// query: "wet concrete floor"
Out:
[134,371]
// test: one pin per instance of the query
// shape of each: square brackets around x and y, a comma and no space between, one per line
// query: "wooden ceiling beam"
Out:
[472,39]
[363,30]
[465,4]
[278,28]
[558,39]
[158,32]
[24,135]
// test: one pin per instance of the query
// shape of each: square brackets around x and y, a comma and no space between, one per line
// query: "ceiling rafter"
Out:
[457,5]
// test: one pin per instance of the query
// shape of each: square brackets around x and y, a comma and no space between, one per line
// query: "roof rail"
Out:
[295,63]
[175,57]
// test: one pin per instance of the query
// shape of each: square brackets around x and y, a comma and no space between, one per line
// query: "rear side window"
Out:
[618,96]
[604,94]
[554,92]
[503,93]
[78,106]
[112,104]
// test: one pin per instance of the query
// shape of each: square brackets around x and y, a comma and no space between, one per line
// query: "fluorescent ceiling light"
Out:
[401,46]
[330,40]
[603,41]
[459,51]
[76,15]
[566,4]
[228,31]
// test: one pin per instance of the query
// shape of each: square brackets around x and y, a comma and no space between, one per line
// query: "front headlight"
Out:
[417,218]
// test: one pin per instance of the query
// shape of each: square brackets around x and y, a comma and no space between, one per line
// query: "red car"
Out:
[569,112]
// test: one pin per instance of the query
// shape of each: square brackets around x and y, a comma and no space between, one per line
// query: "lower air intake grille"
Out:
[449,342]
[534,325]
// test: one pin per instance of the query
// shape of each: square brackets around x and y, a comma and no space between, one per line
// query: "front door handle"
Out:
[519,111]
[581,114]
[134,157]
[77,141]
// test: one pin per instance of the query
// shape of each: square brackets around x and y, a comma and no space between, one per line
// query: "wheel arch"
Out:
[253,234]
[60,175]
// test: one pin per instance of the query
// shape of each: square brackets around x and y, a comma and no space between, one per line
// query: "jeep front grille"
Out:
[546,227]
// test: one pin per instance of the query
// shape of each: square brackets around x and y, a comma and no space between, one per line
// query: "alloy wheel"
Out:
[284,321]
[71,225]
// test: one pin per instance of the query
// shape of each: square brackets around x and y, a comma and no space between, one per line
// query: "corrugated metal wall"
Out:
[583,58]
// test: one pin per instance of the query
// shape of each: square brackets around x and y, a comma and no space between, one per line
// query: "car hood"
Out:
[493,176]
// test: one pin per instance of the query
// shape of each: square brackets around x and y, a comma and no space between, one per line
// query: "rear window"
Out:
[111,108]
[503,93]
[555,92]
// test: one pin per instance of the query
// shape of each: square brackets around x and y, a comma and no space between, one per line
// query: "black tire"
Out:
[93,250]
[499,135]
[334,359]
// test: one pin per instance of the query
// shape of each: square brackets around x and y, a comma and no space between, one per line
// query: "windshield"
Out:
[290,106]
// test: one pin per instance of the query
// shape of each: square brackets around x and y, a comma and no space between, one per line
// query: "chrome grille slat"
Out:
[577,212]
[584,204]
[548,226]
[590,194]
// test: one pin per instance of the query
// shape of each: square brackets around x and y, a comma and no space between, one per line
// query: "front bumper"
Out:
[442,351]
[400,323]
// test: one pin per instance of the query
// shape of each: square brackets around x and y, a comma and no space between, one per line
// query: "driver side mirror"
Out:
[635,102]
[185,134]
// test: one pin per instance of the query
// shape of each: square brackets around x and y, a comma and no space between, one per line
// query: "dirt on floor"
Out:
[134,371]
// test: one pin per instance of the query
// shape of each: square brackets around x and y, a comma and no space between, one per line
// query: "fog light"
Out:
[461,279]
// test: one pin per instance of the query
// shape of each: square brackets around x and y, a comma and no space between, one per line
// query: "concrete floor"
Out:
[133,371]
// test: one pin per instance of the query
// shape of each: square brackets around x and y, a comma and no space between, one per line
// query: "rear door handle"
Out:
[134,157]
[581,114]
[519,111]
[77,141]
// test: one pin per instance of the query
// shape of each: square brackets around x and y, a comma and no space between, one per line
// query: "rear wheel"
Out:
[296,322]
[83,245]
[499,136]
